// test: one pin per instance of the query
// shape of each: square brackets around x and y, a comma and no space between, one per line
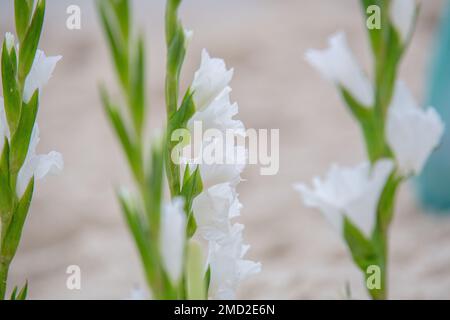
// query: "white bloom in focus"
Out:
[338,64]
[213,210]
[210,80]
[228,268]
[40,74]
[351,192]
[173,238]
[219,115]
[412,133]
[403,13]
[38,166]
[227,169]
[10,40]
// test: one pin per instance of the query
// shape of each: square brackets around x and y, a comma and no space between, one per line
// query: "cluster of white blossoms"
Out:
[218,204]
[411,132]
[37,166]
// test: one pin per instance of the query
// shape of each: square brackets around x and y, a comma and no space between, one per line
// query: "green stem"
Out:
[4,268]
[172,94]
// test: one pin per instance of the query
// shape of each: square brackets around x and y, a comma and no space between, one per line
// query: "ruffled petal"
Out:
[210,80]
[352,192]
[338,64]
[412,133]
[40,74]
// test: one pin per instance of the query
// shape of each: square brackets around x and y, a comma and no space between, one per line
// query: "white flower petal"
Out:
[403,13]
[412,133]
[213,210]
[38,166]
[353,192]
[210,80]
[10,40]
[338,64]
[173,238]
[30,164]
[52,163]
[40,74]
[219,115]
[228,268]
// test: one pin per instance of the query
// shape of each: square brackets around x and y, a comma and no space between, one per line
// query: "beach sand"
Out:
[75,219]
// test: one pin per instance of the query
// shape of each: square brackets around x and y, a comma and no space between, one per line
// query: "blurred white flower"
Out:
[4,130]
[351,192]
[337,63]
[188,35]
[40,74]
[403,13]
[173,238]
[213,210]
[10,40]
[228,266]
[412,133]
[139,294]
[210,80]
[38,166]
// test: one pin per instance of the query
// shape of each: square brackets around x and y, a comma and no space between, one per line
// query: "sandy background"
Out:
[75,218]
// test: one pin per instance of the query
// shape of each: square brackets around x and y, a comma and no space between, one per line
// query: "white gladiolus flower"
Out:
[228,268]
[10,40]
[337,63]
[38,166]
[40,74]
[403,13]
[412,133]
[173,238]
[219,115]
[351,192]
[213,209]
[210,80]
[218,204]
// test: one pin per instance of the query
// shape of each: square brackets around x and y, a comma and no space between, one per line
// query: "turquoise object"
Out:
[433,185]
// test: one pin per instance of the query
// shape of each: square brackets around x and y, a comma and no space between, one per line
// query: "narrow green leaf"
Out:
[23,293]
[181,117]
[20,141]
[31,41]
[175,57]
[122,11]
[5,194]
[117,44]
[14,232]
[22,10]
[122,133]
[141,237]
[192,187]
[14,294]
[137,87]
[11,91]
[362,250]
[156,184]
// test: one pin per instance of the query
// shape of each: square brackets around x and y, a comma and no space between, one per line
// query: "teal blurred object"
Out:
[434,184]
